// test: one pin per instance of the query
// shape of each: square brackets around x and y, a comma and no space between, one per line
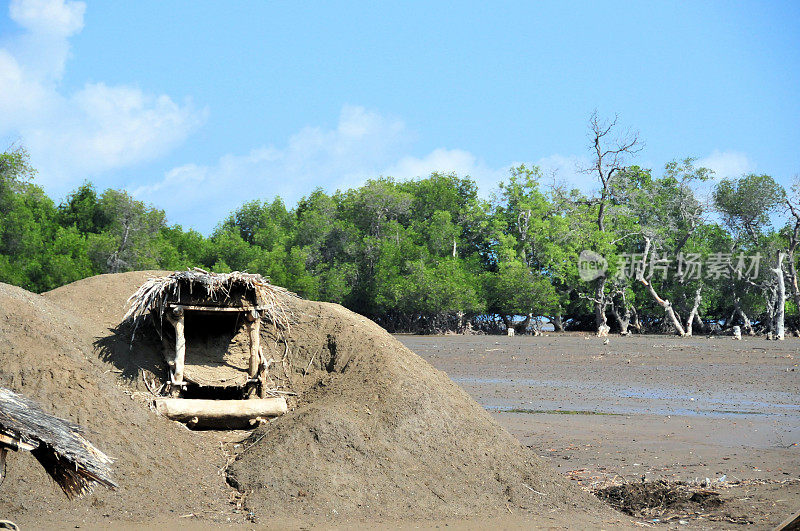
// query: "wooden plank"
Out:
[197,308]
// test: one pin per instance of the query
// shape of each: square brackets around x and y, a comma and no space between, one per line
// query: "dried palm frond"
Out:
[154,294]
[74,463]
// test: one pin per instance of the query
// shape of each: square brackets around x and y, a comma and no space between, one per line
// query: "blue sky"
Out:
[197,107]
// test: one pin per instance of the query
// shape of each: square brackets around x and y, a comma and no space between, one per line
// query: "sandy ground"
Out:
[645,407]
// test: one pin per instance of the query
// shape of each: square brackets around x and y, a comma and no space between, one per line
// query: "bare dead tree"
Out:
[609,153]
[609,156]
[780,297]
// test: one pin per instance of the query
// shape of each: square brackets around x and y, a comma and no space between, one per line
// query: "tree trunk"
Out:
[668,309]
[623,320]
[558,323]
[700,324]
[635,320]
[523,326]
[746,324]
[693,314]
[600,320]
[793,279]
[794,241]
[664,303]
[781,297]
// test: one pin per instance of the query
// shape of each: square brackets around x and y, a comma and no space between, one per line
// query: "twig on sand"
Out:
[305,372]
[533,490]
[151,385]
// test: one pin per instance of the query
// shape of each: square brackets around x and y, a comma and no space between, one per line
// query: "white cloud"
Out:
[88,131]
[443,160]
[53,17]
[340,157]
[363,145]
[566,169]
[727,164]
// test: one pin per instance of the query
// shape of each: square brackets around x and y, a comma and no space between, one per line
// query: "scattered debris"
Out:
[648,499]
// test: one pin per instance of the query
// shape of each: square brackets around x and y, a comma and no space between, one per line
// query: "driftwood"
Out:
[220,412]
[74,463]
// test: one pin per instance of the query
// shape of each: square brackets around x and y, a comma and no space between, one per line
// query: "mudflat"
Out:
[653,407]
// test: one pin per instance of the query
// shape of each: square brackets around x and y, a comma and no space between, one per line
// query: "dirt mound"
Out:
[379,432]
[47,353]
[374,431]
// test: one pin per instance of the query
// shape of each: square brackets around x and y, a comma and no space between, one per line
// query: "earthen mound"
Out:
[374,430]
[379,432]
[47,353]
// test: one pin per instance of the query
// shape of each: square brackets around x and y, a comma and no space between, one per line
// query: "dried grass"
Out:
[154,294]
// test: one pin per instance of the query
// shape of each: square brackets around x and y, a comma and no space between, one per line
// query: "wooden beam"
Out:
[253,323]
[177,363]
[199,308]
[202,411]
[14,444]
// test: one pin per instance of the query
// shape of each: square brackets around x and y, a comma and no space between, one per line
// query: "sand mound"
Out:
[379,432]
[374,432]
[47,354]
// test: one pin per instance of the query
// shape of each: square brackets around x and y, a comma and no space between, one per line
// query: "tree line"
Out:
[648,252]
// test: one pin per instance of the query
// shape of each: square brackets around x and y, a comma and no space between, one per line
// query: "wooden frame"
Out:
[176,314]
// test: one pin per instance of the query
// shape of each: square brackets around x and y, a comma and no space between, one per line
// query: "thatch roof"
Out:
[71,460]
[154,294]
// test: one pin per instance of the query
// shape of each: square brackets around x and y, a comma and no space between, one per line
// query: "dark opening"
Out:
[205,392]
[214,327]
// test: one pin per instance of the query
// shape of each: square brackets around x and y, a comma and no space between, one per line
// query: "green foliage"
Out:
[82,210]
[426,254]
[517,290]
[746,203]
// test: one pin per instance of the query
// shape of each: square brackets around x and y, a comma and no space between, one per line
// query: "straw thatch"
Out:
[154,294]
[59,446]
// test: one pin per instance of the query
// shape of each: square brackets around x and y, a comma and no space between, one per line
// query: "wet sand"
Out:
[643,406]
